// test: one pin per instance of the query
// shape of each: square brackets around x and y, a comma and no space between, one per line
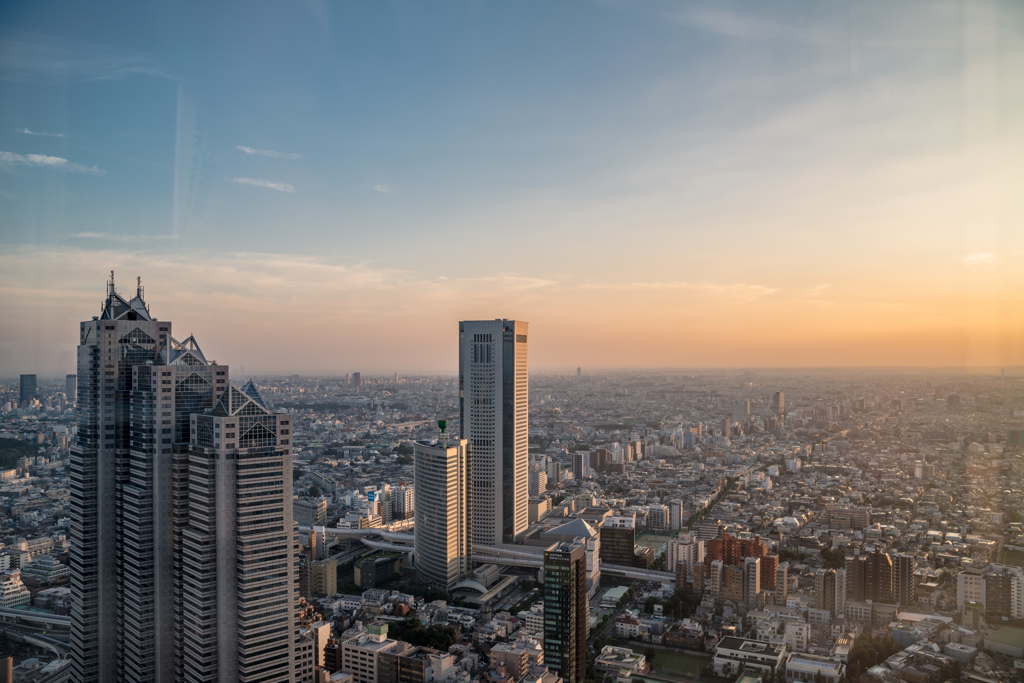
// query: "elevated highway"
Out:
[508,556]
[9,615]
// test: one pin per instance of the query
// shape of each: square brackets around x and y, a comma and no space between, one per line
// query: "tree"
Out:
[650,653]
[314,491]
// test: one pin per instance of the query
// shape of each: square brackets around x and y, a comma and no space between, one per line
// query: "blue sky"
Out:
[718,174]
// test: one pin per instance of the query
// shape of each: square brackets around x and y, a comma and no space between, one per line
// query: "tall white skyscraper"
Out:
[494,418]
[442,472]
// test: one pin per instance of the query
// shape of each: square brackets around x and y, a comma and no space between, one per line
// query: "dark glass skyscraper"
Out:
[28,390]
[566,617]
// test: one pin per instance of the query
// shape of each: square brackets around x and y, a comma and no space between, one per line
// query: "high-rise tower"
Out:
[494,418]
[566,616]
[137,495]
[110,345]
[238,574]
[441,509]
[28,390]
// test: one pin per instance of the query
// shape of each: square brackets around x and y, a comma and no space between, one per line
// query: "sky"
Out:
[325,187]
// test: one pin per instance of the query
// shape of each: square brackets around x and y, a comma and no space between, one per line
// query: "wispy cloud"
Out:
[978,258]
[260,182]
[740,288]
[268,153]
[26,131]
[32,59]
[45,161]
[381,187]
[121,238]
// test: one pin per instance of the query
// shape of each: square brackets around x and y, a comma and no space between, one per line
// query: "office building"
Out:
[741,411]
[778,403]
[618,540]
[239,587]
[28,390]
[904,583]
[403,502]
[443,501]
[566,615]
[151,499]
[782,582]
[71,388]
[751,581]
[494,419]
[111,345]
[361,650]
[869,577]
[581,465]
[825,590]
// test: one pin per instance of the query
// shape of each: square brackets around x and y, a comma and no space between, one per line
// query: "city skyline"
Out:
[713,185]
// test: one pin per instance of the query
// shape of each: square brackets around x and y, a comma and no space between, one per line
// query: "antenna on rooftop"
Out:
[138,286]
[110,285]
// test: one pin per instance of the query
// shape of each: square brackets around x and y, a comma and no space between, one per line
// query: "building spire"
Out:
[110,284]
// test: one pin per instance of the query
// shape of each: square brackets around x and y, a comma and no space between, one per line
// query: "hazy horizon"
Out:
[328,189]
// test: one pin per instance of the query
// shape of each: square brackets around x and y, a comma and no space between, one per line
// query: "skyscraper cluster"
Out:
[182,558]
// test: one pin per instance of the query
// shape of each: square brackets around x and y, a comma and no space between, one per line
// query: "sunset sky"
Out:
[328,186]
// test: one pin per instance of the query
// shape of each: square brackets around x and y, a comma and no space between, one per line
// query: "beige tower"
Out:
[494,419]
[442,513]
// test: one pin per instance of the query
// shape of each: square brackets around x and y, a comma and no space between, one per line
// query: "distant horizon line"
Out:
[992,370]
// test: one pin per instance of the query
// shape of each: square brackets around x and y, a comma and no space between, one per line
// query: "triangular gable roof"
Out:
[245,401]
[250,390]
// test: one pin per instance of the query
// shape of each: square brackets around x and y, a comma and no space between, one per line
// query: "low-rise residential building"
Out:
[620,661]
[733,654]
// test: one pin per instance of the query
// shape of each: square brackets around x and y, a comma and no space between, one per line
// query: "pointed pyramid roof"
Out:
[576,528]
[250,390]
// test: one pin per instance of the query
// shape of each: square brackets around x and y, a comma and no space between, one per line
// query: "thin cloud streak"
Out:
[268,153]
[381,187]
[978,258]
[26,131]
[121,238]
[732,288]
[46,161]
[270,184]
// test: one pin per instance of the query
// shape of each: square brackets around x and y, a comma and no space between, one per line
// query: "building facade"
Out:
[442,510]
[566,615]
[494,419]
[177,481]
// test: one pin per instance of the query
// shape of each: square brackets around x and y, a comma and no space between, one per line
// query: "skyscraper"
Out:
[71,388]
[778,402]
[493,418]
[239,584]
[442,513]
[110,345]
[137,496]
[28,390]
[565,610]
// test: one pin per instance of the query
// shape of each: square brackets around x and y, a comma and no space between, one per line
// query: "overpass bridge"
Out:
[45,620]
[506,555]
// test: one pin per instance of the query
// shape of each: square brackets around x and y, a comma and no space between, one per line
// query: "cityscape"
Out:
[499,341]
[166,520]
